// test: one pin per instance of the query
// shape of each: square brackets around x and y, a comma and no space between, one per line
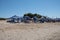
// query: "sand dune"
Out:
[29,31]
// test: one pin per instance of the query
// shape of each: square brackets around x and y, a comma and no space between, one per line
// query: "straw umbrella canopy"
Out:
[14,18]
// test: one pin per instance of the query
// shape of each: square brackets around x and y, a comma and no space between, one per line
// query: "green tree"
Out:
[2,18]
[32,15]
[29,14]
[37,15]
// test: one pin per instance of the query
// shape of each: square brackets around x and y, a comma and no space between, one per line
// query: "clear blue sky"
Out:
[50,8]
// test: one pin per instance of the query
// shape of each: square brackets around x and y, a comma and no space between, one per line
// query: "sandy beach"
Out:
[29,31]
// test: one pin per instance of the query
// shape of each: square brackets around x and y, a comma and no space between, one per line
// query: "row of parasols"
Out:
[27,19]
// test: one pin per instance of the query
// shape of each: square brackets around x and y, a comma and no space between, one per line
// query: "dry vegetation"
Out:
[29,31]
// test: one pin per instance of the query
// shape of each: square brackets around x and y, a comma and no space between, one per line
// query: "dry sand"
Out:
[29,31]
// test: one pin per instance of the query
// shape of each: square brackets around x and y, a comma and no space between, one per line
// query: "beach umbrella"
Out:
[14,19]
[57,19]
[42,20]
[26,19]
[35,19]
